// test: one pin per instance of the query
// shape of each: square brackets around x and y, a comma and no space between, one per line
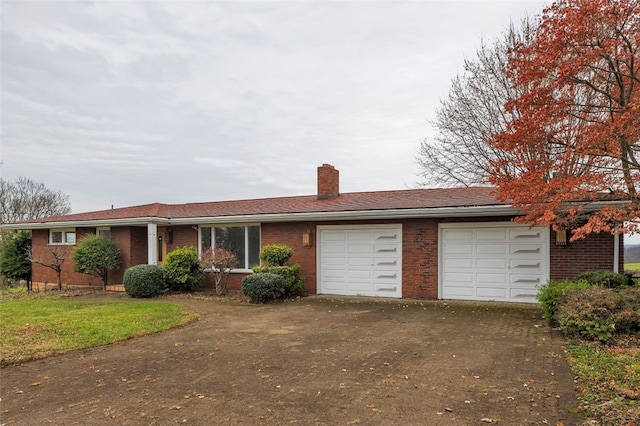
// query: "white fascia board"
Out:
[499,210]
[137,221]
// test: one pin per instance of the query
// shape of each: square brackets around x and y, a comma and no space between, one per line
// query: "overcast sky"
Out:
[125,103]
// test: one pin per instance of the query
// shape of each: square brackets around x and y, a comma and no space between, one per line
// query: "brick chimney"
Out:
[328,182]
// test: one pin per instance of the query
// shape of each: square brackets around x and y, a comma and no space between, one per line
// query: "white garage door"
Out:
[493,261]
[360,260]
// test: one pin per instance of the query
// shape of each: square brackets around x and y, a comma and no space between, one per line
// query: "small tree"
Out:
[96,255]
[14,256]
[219,261]
[183,268]
[51,257]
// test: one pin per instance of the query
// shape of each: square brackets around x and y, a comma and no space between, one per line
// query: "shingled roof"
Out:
[403,200]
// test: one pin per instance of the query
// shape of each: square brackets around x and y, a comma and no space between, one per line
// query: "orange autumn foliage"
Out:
[575,137]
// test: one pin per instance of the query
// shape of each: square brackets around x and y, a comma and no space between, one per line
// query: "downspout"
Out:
[616,253]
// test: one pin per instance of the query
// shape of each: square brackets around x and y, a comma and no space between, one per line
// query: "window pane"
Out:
[254,246]
[56,237]
[70,237]
[205,233]
[232,239]
[105,233]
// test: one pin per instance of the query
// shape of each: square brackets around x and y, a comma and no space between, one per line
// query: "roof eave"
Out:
[439,212]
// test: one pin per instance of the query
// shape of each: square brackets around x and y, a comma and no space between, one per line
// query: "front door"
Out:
[162,245]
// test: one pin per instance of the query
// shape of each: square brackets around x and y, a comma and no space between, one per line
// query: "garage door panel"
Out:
[457,277]
[458,249]
[385,262]
[491,263]
[458,235]
[491,249]
[525,249]
[358,261]
[523,294]
[497,261]
[525,264]
[359,235]
[491,235]
[491,279]
[371,262]
[491,293]
[334,248]
[458,263]
[335,261]
[526,279]
[459,292]
[358,248]
[526,235]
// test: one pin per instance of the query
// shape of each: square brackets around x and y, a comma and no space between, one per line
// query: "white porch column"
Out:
[616,253]
[152,244]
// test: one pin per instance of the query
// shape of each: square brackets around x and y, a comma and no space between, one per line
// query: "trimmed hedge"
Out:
[553,294]
[145,281]
[600,313]
[293,279]
[263,287]
[276,254]
[606,279]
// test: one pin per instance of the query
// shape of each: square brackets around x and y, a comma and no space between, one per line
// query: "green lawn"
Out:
[609,381]
[632,266]
[37,327]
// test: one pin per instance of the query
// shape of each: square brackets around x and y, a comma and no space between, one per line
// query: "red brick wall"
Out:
[592,253]
[328,182]
[181,236]
[419,257]
[291,235]
[42,250]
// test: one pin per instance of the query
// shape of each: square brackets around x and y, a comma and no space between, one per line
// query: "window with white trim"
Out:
[242,240]
[104,231]
[62,236]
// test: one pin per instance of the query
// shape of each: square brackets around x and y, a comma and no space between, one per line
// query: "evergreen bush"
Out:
[293,279]
[276,254]
[263,287]
[145,281]
[183,269]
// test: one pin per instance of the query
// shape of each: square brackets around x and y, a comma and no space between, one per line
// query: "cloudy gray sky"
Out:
[124,103]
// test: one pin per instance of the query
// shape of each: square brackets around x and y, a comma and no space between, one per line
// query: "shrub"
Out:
[293,280]
[263,287]
[219,262]
[276,254]
[553,293]
[600,314]
[183,268]
[606,279]
[145,281]
[96,255]
[14,255]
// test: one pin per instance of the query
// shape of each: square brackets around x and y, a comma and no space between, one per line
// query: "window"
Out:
[62,236]
[242,240]
[104,231]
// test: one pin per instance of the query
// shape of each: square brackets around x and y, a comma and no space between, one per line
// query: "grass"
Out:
[39,325]
[632,266]
[609,380]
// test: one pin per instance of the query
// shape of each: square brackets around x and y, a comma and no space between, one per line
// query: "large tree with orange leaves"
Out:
[574,143]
